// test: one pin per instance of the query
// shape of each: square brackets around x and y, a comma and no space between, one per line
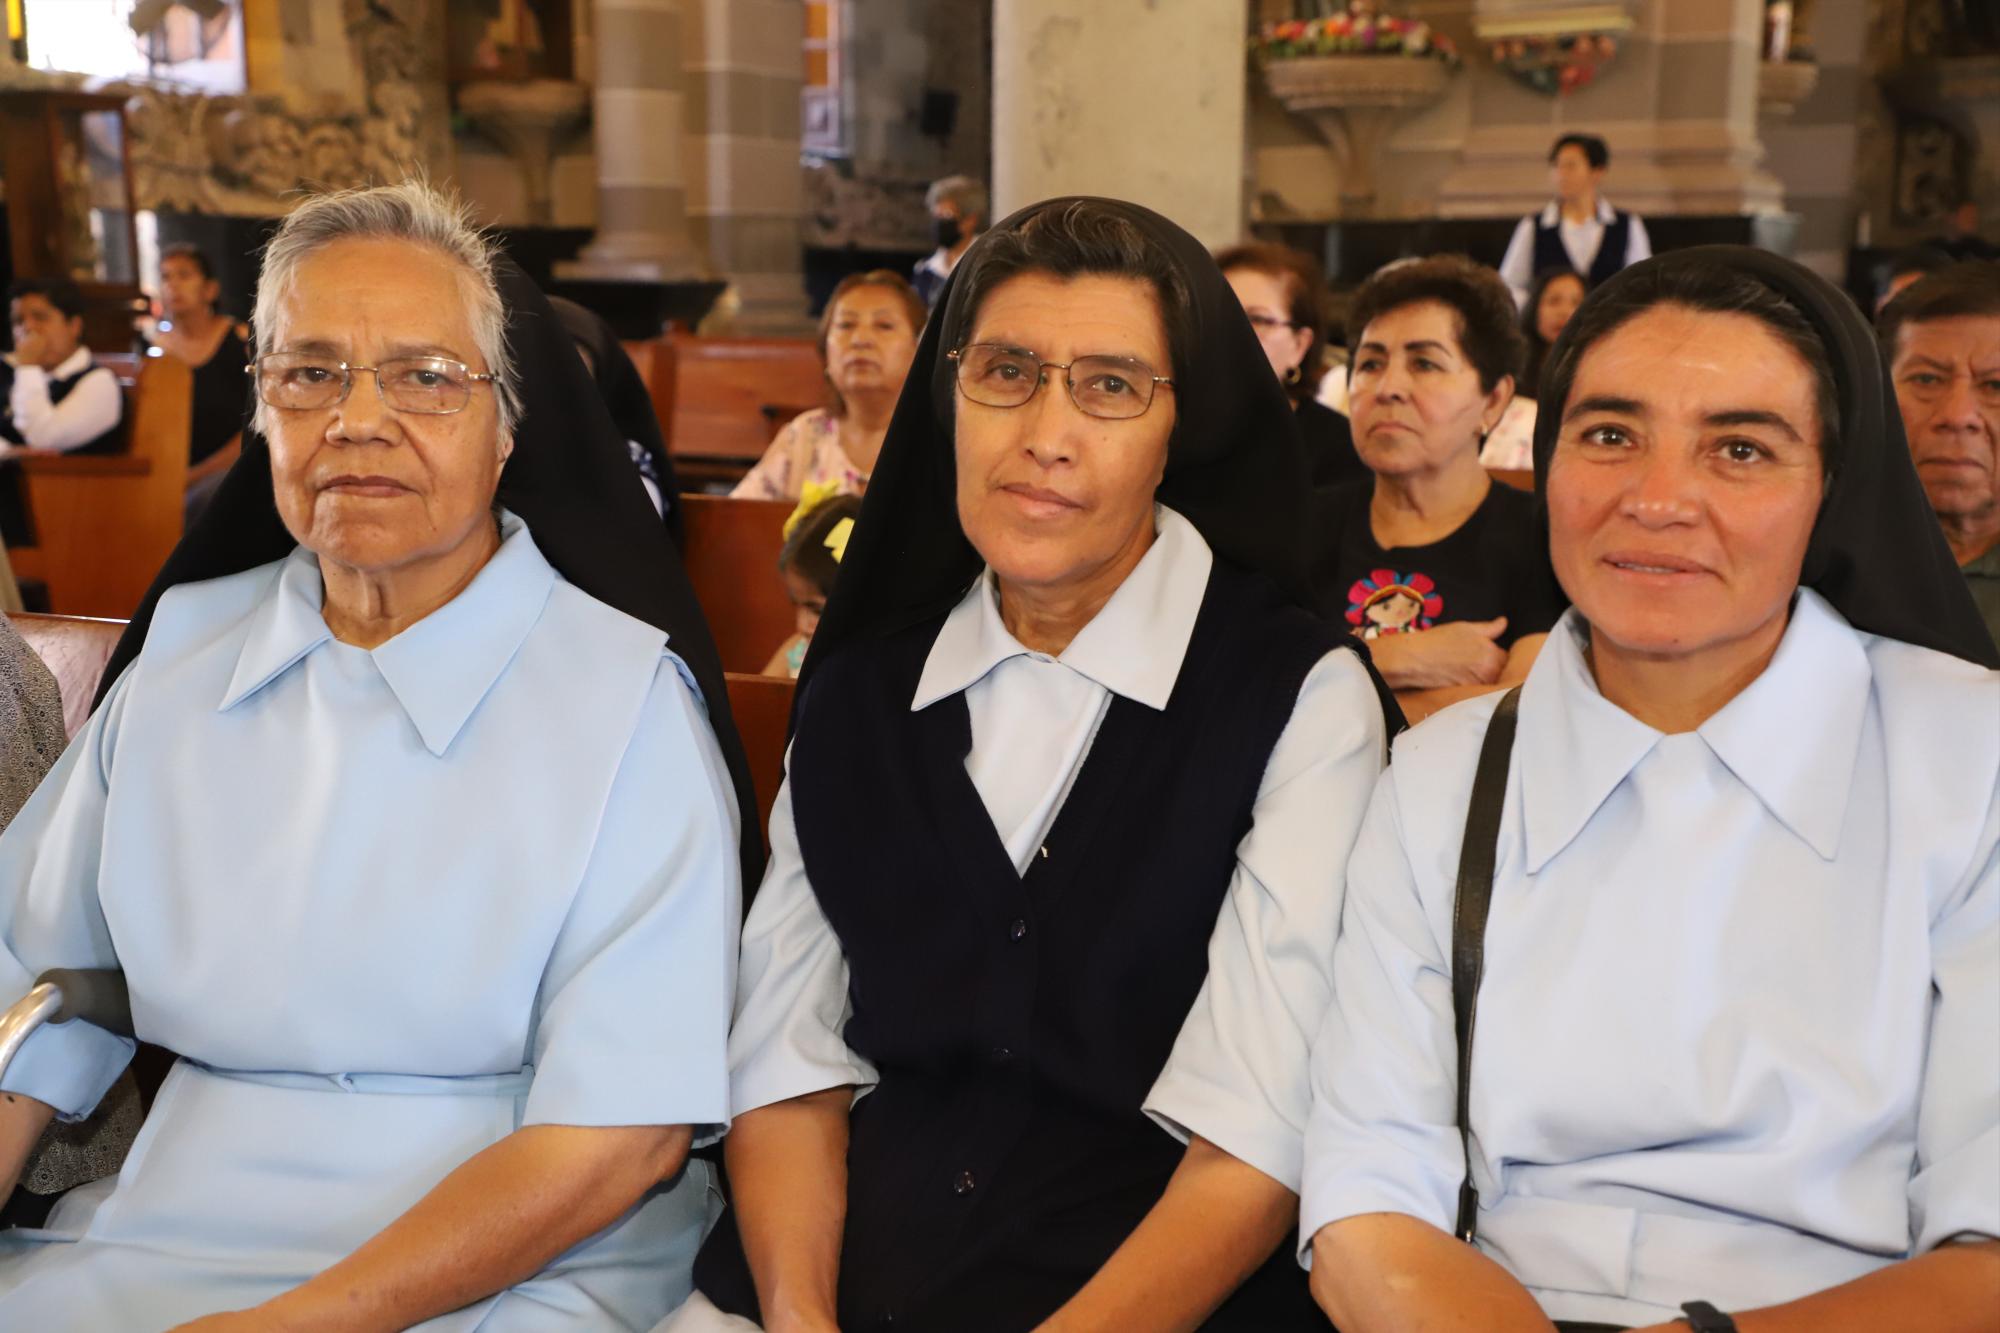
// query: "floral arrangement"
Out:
[1353,34]
[1556,65]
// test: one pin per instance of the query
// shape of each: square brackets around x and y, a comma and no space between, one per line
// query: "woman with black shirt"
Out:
[1431,561]
[1282,292]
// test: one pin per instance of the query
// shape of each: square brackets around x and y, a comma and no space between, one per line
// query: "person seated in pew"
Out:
[217,348]
[57,398]
[1059,852]
[1942,340]
[1284,294]
[1439,567]
[809,562]
[32,737]
[1734,1062]
[631,407]
[867,335]
[412,820]
[1552,300]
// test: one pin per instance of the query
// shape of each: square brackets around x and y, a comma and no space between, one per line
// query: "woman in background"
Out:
[867,336]
[1284,294]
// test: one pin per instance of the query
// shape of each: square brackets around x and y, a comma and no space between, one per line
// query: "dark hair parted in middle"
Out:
[1489,332]
[191,252]
[1968,288]
[1708,287]
[1078,239]
[1595,151]
[889,281]
[1305,295]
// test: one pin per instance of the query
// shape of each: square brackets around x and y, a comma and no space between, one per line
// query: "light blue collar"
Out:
[439,668]
[1132,647]
[1791,736]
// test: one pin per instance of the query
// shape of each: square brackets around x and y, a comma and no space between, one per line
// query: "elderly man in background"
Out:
[958,210]
[1942,341]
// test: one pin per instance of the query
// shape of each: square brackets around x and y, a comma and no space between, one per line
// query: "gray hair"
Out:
[965,193]
[411,211]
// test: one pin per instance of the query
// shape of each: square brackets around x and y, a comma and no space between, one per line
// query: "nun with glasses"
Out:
[1671,980]
[411,818]
[1027,995]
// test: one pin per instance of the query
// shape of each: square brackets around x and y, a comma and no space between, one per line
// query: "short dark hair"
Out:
[1489,333]
[897,286]
[1971,287]
[1305,296]
[191,252]
[1595,150]
[1072,240]
[1708,287]
[61,293]
[805,552]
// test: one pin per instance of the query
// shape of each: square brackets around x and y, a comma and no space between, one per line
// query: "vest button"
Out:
[1018,931]
[965,1183]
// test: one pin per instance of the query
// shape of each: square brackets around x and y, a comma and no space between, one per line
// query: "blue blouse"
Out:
[1739,1025]
[481,876]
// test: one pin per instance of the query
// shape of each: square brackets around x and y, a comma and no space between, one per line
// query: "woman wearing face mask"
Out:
[958,209]
[867,335]
[1283,292]
[1733,1064]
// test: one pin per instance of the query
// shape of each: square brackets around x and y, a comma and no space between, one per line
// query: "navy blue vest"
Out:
[1549,251]
[110,442]
[1017,1022]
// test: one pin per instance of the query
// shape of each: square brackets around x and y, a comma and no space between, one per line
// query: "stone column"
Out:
[642,224]
[1136,99]
[746,194]
[1678,105]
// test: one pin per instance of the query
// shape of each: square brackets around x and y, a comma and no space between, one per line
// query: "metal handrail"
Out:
[61,995]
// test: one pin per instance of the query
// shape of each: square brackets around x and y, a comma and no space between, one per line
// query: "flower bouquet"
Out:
[1353,34]
[1556,64]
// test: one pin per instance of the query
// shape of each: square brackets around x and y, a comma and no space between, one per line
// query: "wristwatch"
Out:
[1705,1318]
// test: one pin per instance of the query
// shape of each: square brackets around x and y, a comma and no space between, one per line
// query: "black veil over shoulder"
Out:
[570,479]
[1877,553]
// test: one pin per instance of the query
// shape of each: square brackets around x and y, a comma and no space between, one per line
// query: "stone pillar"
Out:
[642,223]
[746,195]
[1678,105]
[1135,99]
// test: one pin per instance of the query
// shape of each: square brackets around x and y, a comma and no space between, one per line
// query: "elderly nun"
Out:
[1725,1053]
[418,844]
[1028,992]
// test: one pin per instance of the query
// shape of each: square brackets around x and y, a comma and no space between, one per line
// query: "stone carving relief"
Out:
[247,154]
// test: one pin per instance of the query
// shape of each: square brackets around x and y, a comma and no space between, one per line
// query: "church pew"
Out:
[720,400]
[731,554]
[105,523]
[762,707]
[75,649]
[1521,480]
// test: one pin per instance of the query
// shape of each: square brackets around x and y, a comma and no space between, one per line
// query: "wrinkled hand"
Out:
[1460,652]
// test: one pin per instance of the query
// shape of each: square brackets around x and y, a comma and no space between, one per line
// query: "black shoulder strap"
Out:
[1468,922]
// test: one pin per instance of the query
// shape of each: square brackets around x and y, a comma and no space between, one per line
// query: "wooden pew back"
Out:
[731,553]
[720,400]
[105,523]
[75,649]
[762,707]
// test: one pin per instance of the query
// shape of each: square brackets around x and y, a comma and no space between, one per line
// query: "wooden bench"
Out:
[762,707]
[1521,480]
[720,400]
[731,553]
[105,523]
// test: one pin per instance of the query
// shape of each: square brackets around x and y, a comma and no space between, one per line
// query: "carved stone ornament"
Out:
[250,154]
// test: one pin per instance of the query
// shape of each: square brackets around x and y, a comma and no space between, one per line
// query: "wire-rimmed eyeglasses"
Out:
[305,381]
[1110,387]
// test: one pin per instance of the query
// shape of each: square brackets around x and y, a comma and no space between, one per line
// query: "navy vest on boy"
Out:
[1550,252]
[1018,1022]
[17,526]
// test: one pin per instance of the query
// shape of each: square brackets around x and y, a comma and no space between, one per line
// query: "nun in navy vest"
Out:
[1028,993]
[1579,230]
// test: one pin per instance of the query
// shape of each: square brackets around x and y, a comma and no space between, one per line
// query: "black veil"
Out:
[570,479]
